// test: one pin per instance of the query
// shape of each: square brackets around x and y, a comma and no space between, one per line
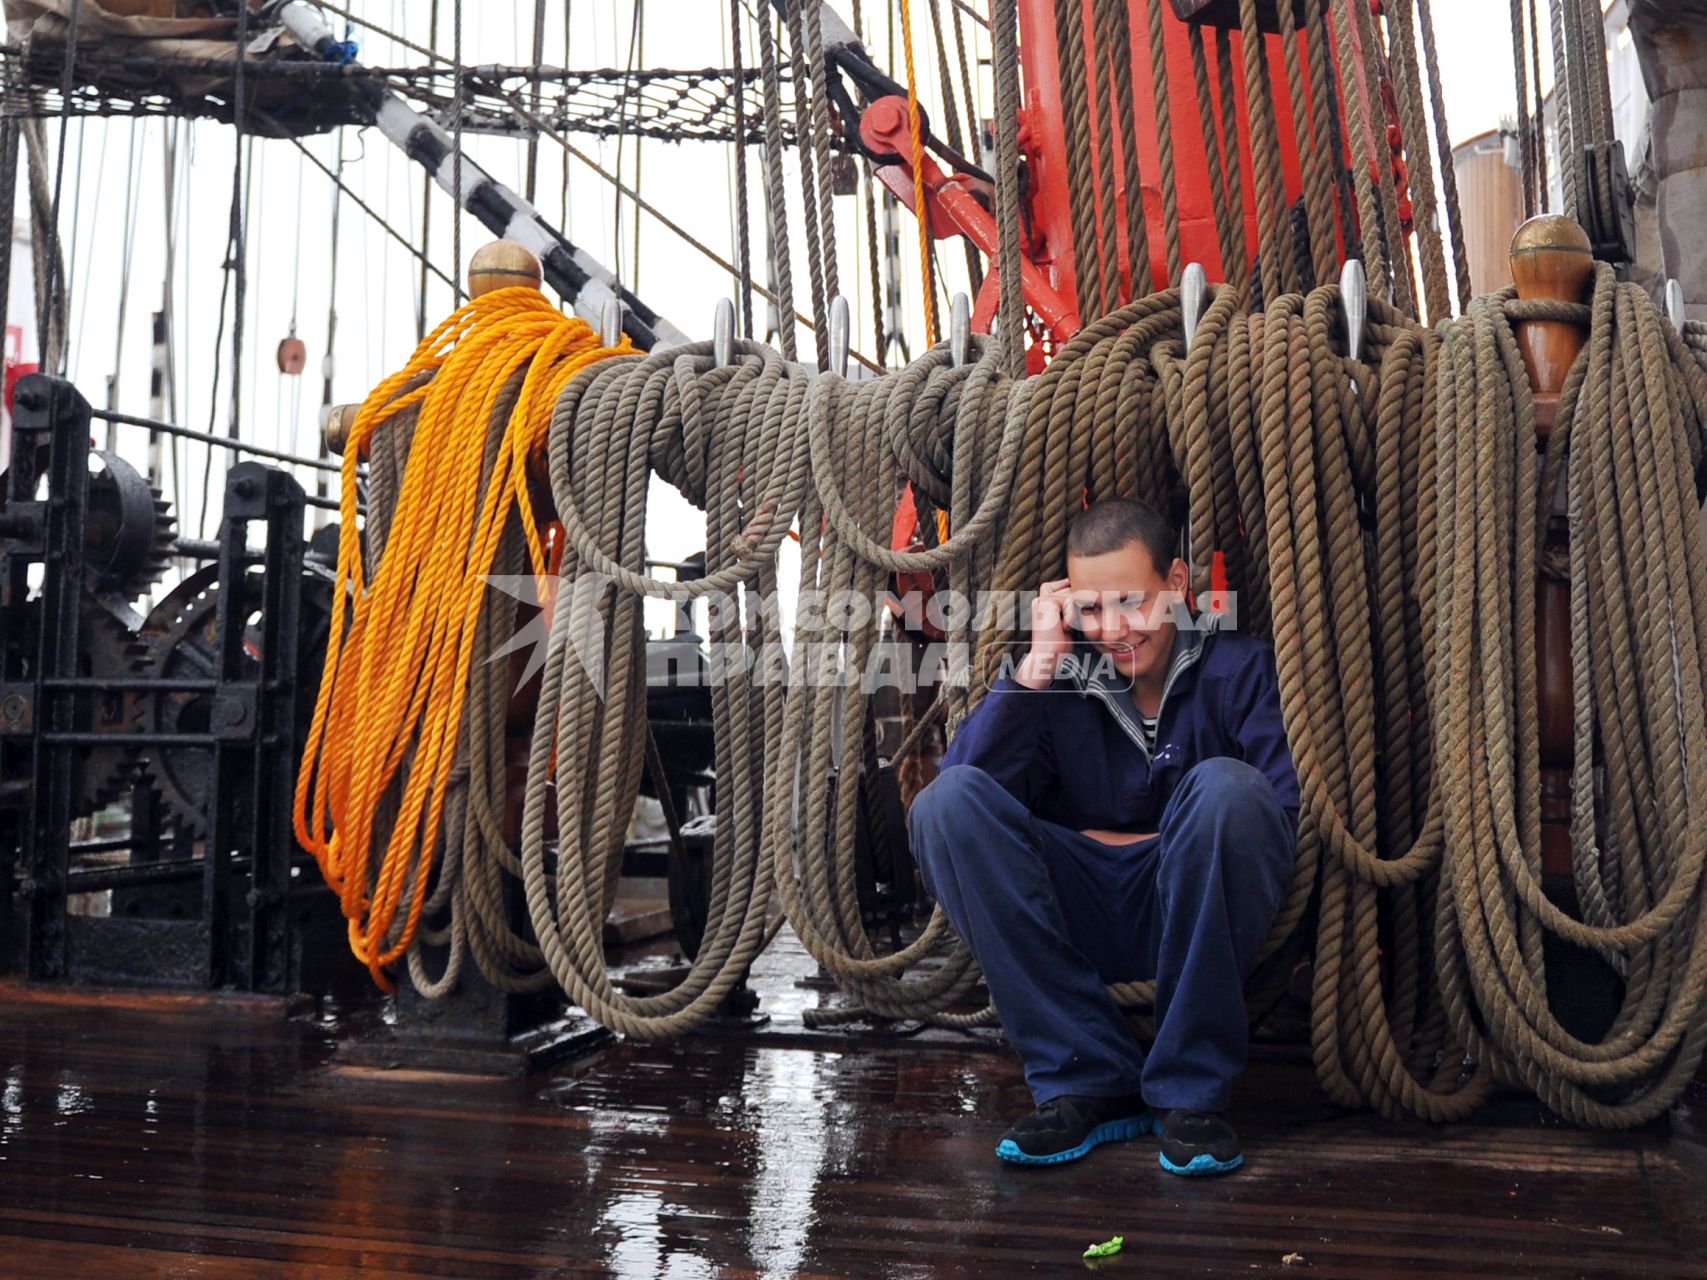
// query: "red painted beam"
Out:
[953,210]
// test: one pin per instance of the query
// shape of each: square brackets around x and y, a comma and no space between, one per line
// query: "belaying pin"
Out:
[610,323]
[959,329]
[503,264]
[839,336]
[723,334]
[1193,294]
[1674,305]
[1354,305]
[339,418]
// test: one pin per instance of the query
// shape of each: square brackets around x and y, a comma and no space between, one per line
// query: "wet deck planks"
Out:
[153,1138]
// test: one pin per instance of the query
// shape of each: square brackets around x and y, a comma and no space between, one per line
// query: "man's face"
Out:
[1123,604]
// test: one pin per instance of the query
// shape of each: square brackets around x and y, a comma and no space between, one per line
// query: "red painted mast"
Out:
[959,203]
[1043,123]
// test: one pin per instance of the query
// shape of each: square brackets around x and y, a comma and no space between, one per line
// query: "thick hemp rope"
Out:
[1380,518]
[1342,542]
[732,440]
[1630,420]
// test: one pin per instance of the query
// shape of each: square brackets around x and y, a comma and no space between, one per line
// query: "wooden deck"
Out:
[151,1137]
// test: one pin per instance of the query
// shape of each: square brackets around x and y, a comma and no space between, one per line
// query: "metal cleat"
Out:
[839,330]
[723,334]
[959,329]
[1354,305]
[1193,297]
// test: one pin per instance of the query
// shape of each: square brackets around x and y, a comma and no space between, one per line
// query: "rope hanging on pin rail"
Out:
[383,727]
[1287,447]
[1278,469]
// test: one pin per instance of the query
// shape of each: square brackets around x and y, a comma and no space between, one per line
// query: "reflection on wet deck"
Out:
[164,1139]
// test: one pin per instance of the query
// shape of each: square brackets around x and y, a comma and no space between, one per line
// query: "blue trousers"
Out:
[1053,916]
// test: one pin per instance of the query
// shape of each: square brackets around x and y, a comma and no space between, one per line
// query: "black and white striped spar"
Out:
[585,284]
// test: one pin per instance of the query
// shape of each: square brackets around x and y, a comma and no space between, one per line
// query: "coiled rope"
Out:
[731,440]
[1379,519]
[391,702]
[1630,420]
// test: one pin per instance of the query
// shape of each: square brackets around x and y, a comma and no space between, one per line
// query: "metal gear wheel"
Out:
[180,639]
[106,650]
[130,531]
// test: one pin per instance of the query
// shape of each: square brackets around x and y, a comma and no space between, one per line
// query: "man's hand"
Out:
[1050,639]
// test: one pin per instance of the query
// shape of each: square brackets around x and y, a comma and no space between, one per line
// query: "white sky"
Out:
[375,287]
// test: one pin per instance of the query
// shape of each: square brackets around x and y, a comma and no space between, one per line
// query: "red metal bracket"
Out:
[953,210]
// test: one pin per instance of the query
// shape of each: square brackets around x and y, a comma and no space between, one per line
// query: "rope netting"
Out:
[673,104]
[293,95]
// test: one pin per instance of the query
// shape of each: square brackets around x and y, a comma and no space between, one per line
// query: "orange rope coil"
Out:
[396,677]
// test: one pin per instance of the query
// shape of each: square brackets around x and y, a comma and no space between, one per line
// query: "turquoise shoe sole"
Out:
[1201,1165]
[1108,1131]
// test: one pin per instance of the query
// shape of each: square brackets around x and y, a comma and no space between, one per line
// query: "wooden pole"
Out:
[1551,258]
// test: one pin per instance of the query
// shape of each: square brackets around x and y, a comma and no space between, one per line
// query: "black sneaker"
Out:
[1067,1127]
[1199,1142]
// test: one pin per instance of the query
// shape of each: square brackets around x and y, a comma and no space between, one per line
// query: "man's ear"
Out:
[1179,576]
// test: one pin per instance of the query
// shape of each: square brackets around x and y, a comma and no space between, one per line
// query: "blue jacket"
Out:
[1075,753]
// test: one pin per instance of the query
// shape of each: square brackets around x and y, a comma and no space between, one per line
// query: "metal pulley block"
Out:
[1612,230]
[292,354]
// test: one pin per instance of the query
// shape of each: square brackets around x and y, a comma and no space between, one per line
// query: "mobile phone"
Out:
[1070,623]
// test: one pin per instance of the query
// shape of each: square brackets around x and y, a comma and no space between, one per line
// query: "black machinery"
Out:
[195,710]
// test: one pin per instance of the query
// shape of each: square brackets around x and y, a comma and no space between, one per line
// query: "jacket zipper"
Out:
[1124,714]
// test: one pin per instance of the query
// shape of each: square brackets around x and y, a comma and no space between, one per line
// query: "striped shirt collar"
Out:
[1096,679]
